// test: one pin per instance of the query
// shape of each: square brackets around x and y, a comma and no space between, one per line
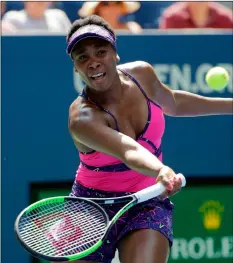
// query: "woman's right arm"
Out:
[90,129]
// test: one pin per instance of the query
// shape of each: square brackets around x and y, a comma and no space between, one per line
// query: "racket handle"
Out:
[155,190]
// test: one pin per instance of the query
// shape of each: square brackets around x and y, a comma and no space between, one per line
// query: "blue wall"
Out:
[38,85]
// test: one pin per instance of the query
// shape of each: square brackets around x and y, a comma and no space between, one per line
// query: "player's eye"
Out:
[82,57]
[101,52]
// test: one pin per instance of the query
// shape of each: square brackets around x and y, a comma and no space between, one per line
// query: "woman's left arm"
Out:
[183,103]
[189,104]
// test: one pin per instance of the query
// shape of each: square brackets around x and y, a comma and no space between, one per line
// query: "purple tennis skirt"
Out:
[152,214]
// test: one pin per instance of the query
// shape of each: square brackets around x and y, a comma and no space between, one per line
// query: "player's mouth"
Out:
[98,77]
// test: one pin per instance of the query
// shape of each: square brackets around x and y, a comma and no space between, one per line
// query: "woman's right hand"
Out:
[170,180]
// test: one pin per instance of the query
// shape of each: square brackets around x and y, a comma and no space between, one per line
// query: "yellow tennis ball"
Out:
[217,78]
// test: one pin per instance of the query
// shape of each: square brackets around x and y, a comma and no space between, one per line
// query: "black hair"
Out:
[90,20]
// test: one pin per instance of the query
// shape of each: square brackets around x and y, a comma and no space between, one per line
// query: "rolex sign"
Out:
[203,225]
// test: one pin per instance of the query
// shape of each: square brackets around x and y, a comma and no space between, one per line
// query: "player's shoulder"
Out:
[136,67]
[139,69]
[82,111]
[77,108]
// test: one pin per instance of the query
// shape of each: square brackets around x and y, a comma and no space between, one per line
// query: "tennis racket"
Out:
[67,228]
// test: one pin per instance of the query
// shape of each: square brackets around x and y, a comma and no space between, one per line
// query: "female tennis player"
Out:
[117,124]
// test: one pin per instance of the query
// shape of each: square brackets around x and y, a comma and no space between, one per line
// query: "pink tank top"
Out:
[104,172]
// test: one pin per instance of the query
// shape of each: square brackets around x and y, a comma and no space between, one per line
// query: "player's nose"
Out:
[94,65]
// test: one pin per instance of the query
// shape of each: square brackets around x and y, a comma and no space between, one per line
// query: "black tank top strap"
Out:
[84,95]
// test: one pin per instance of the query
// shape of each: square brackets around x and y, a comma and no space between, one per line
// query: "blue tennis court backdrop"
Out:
[38,85]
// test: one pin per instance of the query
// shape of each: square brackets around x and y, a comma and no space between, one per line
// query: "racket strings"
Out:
[61,229]
[64,232]
[49,223]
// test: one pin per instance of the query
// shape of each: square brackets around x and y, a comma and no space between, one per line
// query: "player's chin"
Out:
[100,87]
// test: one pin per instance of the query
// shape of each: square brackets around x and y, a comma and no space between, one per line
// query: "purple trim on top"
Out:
[155,103]
[121,167]
[85,153]
[87,32]
[147,123]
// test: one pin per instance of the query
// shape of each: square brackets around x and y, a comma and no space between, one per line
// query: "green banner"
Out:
[203,228]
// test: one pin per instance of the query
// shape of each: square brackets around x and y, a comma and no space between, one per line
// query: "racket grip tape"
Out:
[155,190]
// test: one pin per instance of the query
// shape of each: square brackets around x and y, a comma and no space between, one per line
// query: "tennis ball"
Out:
[217,78]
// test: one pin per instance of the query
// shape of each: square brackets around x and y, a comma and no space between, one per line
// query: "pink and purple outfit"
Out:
[100,175]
